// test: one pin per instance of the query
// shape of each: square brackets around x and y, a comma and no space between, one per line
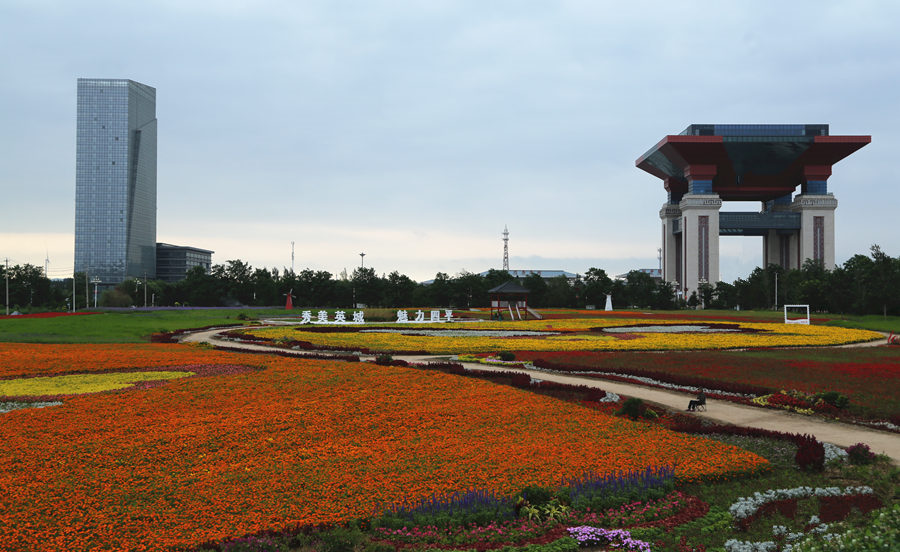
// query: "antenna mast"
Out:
[505,248]
[292,257]
[47,265]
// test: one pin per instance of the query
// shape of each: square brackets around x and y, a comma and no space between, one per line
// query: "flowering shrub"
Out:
[810,453]
[597,491]
[616,538]
[860,454]
[475,506]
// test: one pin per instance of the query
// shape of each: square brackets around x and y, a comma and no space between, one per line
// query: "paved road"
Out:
[721,411]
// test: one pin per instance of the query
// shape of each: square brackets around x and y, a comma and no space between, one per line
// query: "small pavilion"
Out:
[509,297]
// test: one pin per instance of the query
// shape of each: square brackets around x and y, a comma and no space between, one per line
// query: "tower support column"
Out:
[816,237]
[670,215]
[699,240]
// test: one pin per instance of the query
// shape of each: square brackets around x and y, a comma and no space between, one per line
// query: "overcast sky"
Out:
[414,131]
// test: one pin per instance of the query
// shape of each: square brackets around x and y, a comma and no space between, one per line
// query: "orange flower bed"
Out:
[301,442]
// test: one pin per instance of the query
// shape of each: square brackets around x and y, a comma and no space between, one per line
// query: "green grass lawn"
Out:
[118,327]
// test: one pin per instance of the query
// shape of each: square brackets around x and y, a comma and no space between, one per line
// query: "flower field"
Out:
[574,334]
[284,443]
[870,377]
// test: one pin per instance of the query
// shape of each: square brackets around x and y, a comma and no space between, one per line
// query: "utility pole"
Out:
[292,257]
[87,304]
[73,291]
[776,291]
[145,290]
[7,286]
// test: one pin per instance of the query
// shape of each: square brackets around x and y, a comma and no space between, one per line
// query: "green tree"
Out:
[539,296]
[265,287]
[639,289]
[560,293]
[398,290]
[883,281]
[469,290]
[724,296]
[366,286]
[440,291]
[596,287]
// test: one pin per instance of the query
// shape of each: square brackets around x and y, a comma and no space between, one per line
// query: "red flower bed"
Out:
[48,314]
[869,376]
[837,508]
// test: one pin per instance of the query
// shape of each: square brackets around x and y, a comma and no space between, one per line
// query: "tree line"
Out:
[862,285]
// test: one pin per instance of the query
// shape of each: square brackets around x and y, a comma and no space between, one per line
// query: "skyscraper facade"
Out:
[115,180]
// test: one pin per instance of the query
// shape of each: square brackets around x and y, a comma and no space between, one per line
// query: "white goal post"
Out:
[796,320]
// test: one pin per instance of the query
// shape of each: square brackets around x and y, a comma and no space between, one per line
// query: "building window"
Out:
[703,248]
[819,239]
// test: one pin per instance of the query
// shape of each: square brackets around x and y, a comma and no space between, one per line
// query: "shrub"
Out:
[506,356]
[537,496]
[834,398]
[860,454]
[341,539]
[810,454]
[632,408]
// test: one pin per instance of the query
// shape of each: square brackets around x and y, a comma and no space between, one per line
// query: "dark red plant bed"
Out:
[48,314]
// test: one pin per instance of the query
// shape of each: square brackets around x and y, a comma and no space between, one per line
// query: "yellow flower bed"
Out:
[78,384]
[576,336]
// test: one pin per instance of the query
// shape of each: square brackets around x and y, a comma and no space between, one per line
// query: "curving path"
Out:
[837,433]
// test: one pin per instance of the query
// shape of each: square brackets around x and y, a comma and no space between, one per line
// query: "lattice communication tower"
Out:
[505,248]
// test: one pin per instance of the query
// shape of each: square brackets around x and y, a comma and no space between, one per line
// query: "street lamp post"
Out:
[95,280]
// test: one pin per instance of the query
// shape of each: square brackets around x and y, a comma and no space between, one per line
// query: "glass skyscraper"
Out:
[115,180]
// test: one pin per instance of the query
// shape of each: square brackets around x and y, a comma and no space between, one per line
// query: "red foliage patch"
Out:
[48,314]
